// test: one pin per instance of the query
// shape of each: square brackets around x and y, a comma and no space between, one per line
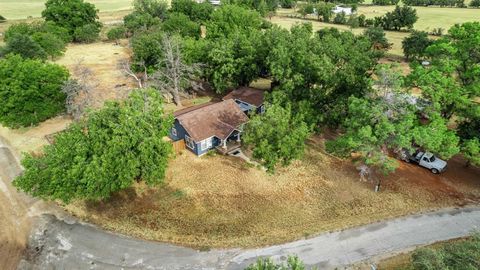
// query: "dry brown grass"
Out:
[103,59]
[217,201]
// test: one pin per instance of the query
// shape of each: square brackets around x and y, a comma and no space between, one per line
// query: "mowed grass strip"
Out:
[218,201]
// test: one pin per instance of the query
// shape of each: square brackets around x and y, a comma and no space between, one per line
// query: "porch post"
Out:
[238,137]
[224,144]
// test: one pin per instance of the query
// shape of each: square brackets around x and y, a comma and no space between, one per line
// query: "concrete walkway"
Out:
[60,244]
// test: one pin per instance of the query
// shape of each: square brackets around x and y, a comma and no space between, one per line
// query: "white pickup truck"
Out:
[426,160]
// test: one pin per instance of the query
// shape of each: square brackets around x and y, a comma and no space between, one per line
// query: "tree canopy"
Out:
[414,46]
[30,91]
[103,153]
[277,136]
[36,40]
[397,19]
[72,15]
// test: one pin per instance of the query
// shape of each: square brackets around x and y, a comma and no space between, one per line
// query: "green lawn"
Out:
[22,9]
[429,17]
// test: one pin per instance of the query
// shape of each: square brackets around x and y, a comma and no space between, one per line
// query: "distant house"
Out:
[248,99]
[346,10]
[213,2]
[208,126]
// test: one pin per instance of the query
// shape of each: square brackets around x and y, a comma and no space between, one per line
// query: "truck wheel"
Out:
[435,171]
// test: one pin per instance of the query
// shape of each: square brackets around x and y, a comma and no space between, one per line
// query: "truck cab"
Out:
[428,160]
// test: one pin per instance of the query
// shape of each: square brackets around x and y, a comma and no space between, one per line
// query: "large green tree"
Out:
[103,153]
[30,91]
[277,136]
[321,71]
[400,17]
[451,84]
[414,46]
[71,14]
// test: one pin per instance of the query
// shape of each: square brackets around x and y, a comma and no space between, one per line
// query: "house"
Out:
[248,99]
[213,2]
[346,10]
[208,126]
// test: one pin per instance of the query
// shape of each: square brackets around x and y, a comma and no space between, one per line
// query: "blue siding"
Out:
[181,132]
[198,147]
[261,109]
[245,107]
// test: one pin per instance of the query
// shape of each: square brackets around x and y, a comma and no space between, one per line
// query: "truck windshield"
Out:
[432,159]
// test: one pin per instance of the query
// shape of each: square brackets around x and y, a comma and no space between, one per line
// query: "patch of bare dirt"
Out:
[103,59]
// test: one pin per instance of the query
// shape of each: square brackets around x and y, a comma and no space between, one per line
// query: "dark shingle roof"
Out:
[211,119]
[249,95]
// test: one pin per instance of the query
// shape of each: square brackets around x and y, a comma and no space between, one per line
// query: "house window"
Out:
[206,144]
[174,132]
[189,142]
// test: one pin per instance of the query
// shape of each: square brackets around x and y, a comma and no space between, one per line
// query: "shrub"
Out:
[293,263]
[464,254]
[30,91]
[287,3]
[362,20]
[181,24]
[24,46]
[340,18]
[18,29]
[50,40]
[2,19]
[50,43]
[353,21]
[87,33]
[377,36]
[116,33]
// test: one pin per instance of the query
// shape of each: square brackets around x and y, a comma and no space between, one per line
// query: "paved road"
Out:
[60,244]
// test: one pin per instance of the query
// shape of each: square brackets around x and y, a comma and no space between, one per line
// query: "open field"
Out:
[393,36]
[217,201]
[429,17]
[22,9]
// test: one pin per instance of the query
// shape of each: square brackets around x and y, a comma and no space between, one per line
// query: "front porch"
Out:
[230,144]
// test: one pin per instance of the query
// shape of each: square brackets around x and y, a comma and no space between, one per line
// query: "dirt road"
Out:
[14,221]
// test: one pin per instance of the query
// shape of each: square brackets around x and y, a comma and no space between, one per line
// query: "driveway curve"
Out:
[70,244]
